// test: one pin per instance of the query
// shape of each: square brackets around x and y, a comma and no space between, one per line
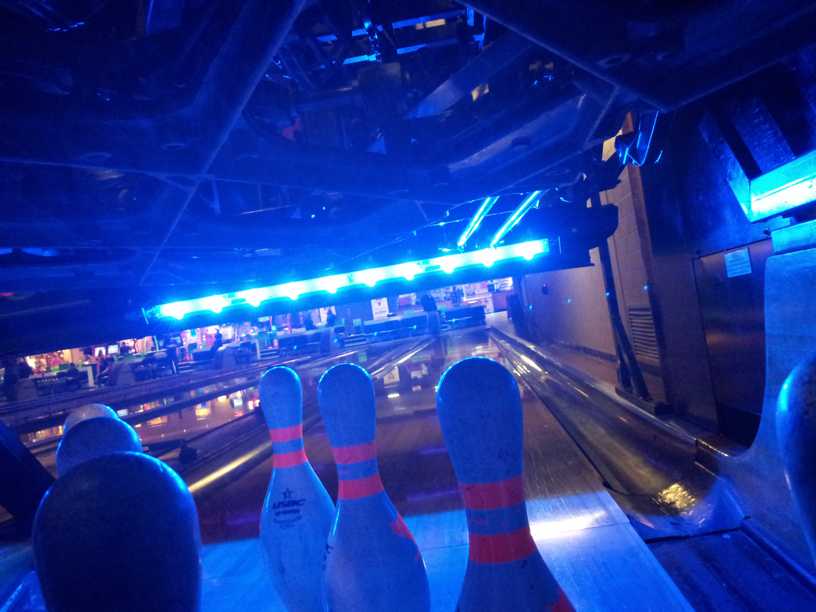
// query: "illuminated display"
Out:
[782,189]
[370,277]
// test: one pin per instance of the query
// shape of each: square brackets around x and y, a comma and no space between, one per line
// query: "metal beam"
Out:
[491,60]
[558,135]
[365,175]
[180,142]
[670,56]
[230,82]
[562,32]
[629,372]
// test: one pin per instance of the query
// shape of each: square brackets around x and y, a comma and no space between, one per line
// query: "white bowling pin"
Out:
[479,409]
[297,512]
[796,435]
[95,437]
[88,411]
[372,561]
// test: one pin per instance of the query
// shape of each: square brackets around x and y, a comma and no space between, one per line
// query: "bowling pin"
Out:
[88,411]
[94,437]
[479,409]
[796,434]
[372,561]
[297,512]
[118,532]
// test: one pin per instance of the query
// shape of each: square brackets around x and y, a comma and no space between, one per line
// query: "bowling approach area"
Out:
[398,483]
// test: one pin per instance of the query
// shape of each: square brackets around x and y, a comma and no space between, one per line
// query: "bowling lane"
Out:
[166,420]
[581,532]
[234,462]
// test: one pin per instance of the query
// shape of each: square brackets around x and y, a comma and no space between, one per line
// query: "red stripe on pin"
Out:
[354,454]
[501,547]
[356,488]
[286,434]
[399,527]
[493,495]
[285,460]
[563,604]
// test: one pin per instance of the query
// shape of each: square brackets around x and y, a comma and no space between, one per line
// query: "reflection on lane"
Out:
[227,452]
[229,492]
[409,387]
[207,405]
[186,415]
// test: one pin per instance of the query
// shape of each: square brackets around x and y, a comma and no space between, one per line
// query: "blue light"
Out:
[782,189]
[255,297]
[794,237]
[291,290]
[214,303]
[430,45]
[409,271]
[476,221]
[487,257]
[368,277]
[357,59]
[448,263]
[515,217]
[528,250]
[332,284]
[175,310]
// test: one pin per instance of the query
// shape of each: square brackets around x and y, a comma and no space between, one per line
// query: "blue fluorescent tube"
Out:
[515,217]
[476,221]
[784,188]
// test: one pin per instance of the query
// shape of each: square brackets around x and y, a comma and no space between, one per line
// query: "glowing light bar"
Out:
[409,271]
[216,303]
[292,290]
[782,189]
[255,297]
[515,217]
[333,283]
[369,277]
[476,221]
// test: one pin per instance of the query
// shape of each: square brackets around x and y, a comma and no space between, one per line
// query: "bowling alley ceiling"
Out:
[155,149]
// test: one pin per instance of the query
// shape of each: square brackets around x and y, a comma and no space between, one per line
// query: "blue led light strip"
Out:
[517,215]
[476,221]
[333,283]
[783,188]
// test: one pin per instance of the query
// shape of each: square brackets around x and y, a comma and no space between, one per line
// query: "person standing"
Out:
[171,347]
[217,342]
[23,369]
[10,378]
